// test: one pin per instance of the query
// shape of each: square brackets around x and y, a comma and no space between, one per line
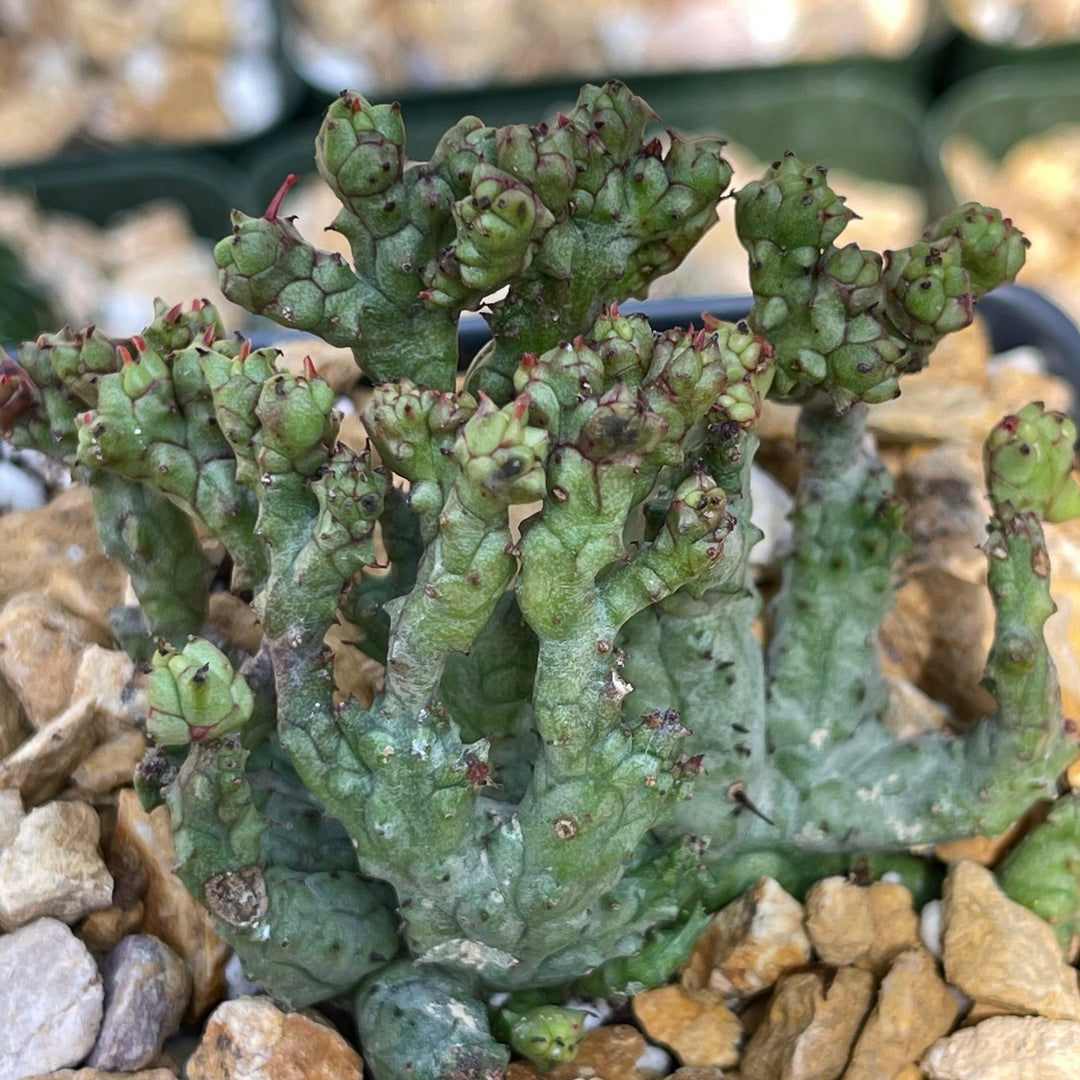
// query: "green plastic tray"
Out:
[998,108]
[100,185]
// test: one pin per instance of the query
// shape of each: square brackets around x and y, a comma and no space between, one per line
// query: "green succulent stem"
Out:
[848,534]
[156,544]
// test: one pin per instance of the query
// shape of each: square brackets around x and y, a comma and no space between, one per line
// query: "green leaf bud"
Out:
[195,694]
[792,206]
[1029,461]
[992,249]
[502,458]
[548,1035]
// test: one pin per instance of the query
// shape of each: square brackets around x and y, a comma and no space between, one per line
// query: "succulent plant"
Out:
[580,748]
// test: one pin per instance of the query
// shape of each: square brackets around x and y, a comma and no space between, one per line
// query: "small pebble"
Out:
[147,988]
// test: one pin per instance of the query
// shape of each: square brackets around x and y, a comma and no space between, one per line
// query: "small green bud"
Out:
[195,694]
[501,457]
[548,1035]
[792,206]
[993,250]
[296,413]
[1029,461]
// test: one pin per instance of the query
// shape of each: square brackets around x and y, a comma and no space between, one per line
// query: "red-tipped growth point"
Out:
[275,203]
[196,304]
[208,336]
[125,356]
[139,343]
[521,405]
[579,341]
[309,369]
[700,339]
[87,418]
[1009,424]
[245,350]
[174,313]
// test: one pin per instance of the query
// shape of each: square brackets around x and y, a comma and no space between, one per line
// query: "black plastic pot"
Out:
[1015,316]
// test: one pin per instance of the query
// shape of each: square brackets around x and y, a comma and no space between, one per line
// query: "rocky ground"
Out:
[107,966]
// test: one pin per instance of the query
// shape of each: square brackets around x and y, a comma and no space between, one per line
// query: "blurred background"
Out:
[130,128]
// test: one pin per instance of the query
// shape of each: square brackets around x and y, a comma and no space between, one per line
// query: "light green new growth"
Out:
[580,748]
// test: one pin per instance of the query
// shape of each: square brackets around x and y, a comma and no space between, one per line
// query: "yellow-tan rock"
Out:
[235,620]
[749,944]
[999,952]
[811,1023]
[863,925]
[839,921]
[947,510]
[252,1039]
[40,645]
[142,858]
[1008,1048]
[695,1027]
[896,923]
[41,765]
[111,764]
[911,712]
[102,929]
[937,635]
[53,867]
[14,727]
[606,1053]
[914,1008]
[106,677]
[60,554]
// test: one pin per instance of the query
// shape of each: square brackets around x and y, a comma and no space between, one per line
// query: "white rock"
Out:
[930,927]
[771,514]
[50,1000]
[19,489]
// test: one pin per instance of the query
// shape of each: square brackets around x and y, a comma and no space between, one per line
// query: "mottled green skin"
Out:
[580,749]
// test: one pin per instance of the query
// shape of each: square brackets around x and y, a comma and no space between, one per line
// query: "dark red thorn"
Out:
[245,350]
[613,311]
[139,343]
[529,360]
[275,203]
[87,418]
[1009,424]
[125,356]
[309,369]
[174,313]
[653,148]
[699,341]
[562,120]
[199,732]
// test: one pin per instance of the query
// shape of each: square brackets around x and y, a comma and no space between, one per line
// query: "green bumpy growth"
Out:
[580,748]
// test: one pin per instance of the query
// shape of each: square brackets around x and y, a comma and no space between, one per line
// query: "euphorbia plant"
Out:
[580,747]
